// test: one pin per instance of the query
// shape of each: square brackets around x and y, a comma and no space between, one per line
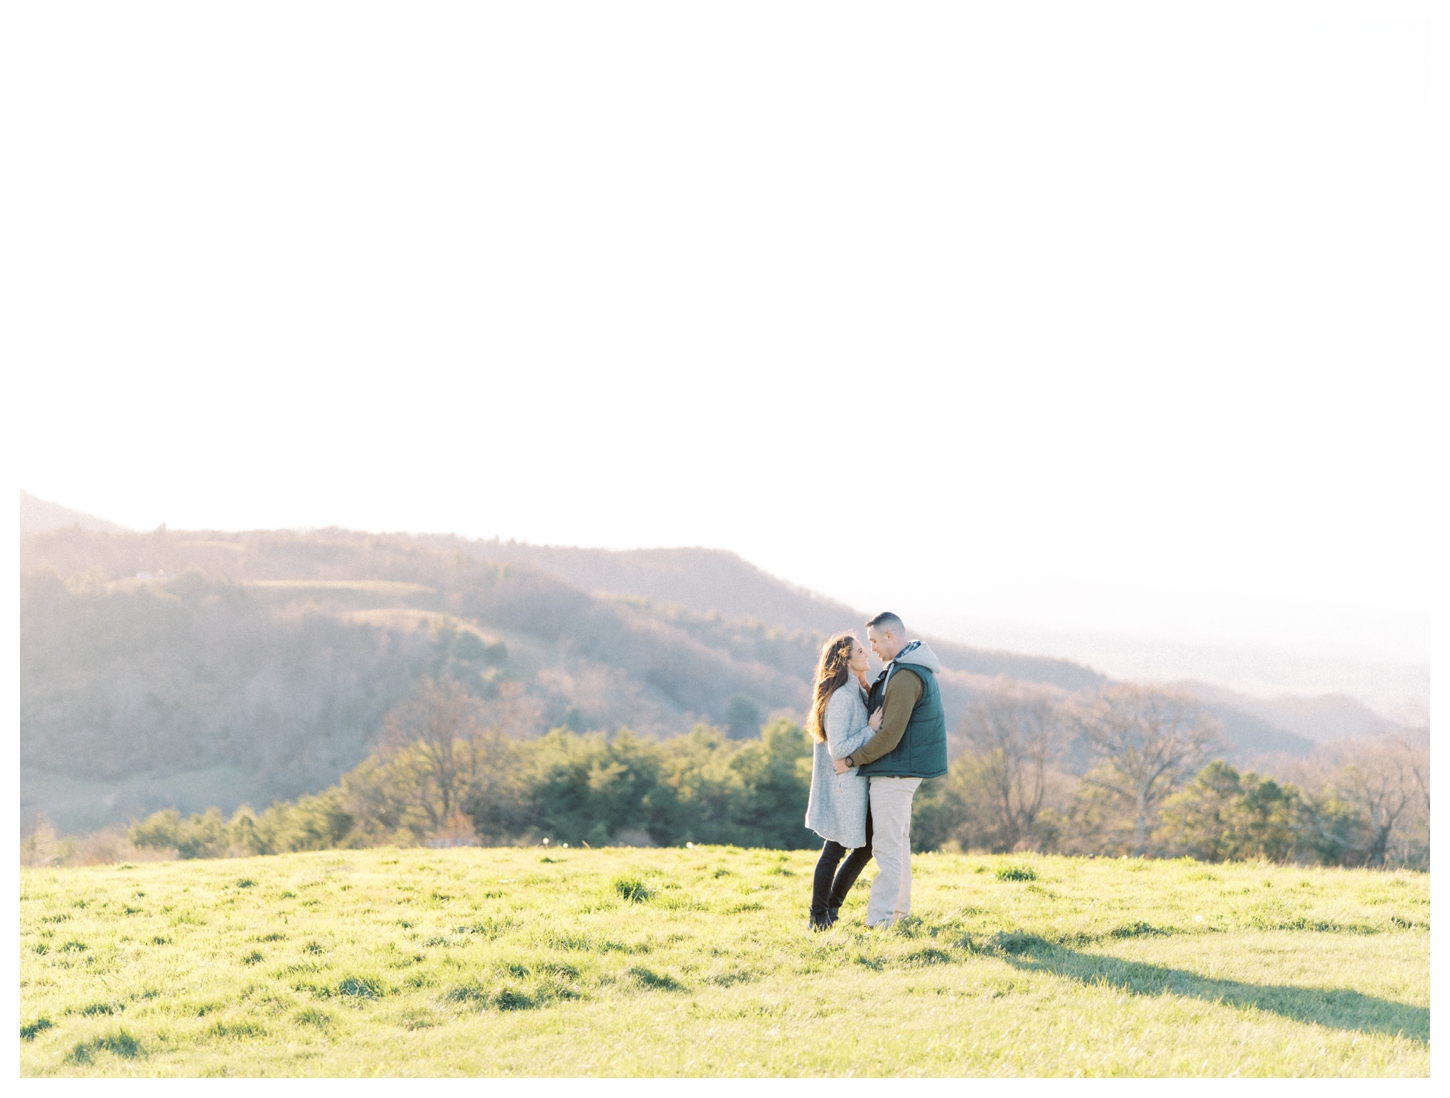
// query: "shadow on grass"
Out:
[1339,1008]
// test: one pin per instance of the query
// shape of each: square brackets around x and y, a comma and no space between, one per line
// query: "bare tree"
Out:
[449,752]
[1148,740]
[431,722]
[1016,732]
[1384,778]
[497,784]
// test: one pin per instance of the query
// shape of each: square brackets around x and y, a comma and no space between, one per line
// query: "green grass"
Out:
[698,962]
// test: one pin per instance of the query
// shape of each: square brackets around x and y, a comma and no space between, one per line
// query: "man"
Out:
[910,746]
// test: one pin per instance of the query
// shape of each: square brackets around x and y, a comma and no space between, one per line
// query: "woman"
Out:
[838,810]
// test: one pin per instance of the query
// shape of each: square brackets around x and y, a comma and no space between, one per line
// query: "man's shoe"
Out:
[820,923]
[833,914]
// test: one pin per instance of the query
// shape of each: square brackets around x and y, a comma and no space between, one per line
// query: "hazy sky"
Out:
[943,314]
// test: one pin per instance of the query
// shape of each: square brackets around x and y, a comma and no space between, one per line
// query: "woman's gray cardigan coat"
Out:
[837,808]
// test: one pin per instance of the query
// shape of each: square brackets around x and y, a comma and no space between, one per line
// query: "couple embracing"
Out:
[875,744]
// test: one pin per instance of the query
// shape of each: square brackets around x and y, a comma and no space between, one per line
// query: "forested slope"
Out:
[199,668]
[716,580]
[274,655]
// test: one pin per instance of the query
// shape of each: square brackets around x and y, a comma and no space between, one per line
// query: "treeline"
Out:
[1127,770]
[1138,770]
[428,783]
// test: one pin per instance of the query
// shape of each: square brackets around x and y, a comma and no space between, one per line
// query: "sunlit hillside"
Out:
[204,668]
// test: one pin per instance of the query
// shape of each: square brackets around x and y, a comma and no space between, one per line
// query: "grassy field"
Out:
[697,962]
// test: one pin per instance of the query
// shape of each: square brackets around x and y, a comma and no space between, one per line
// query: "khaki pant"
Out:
[891,846]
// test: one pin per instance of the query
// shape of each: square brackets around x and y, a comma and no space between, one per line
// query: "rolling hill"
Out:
[38,516]
[716,581]
[192,668]
[1318,719]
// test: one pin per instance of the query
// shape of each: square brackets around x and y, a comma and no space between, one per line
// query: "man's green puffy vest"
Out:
[922,752]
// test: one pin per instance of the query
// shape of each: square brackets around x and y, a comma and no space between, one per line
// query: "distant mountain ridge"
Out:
[1319,719]
[200,667]
[38,516]
[706,580]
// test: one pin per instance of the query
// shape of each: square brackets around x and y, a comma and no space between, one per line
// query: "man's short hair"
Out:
[887,622]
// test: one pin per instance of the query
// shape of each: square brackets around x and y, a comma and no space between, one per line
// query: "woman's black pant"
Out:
[830,886]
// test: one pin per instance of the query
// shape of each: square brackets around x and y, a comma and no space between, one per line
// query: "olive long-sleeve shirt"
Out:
[903,691]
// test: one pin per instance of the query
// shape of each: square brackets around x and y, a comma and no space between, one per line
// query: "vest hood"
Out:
[919,653]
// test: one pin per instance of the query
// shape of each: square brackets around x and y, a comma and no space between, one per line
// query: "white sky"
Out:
[978,319]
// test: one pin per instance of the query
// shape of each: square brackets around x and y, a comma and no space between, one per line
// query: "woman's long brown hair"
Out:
[832,671]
